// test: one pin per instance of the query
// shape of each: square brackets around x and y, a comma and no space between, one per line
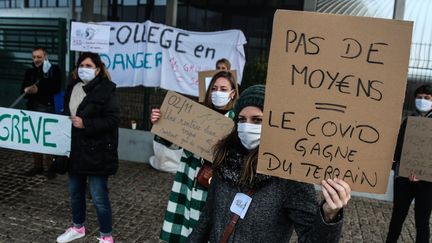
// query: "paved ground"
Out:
[33,209]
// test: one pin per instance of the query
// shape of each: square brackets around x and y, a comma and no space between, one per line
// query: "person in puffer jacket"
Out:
[91,103]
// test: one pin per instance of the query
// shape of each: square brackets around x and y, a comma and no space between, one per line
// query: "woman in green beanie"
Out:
[187,197]
[244,206]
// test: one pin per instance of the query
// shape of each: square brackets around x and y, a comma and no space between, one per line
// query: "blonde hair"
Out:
[225,62]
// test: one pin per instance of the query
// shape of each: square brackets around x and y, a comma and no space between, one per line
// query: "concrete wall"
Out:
[135,145]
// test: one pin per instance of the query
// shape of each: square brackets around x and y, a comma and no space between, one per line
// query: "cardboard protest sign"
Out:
[416,154]
[90,37]
[334,98]
[191,125]
[35,131]
[204,79]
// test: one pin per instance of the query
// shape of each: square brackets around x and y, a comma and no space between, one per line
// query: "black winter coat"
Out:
[94,148]
[49,84]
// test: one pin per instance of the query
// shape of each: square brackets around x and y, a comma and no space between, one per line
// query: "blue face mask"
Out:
[46,66]
[423,105]
[249,134]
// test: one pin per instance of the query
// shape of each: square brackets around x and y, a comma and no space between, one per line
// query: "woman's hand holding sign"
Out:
[155,115]
[336,193]
[413,177]
[77,122]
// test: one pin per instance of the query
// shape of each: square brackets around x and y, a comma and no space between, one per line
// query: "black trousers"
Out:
[404,192]
[38,159]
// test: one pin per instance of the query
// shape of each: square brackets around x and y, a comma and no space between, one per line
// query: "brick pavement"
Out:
[34,209]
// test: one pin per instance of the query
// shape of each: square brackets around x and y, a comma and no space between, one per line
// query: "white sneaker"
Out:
[71,234]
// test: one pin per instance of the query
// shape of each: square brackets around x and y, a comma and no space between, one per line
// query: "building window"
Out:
[129,2]
[137,10]
[8,4]
[253,17]
[46,3]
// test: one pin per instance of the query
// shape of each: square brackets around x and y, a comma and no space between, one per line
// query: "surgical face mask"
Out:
[86,74]
[423,105]
[249,134]
[220,98]
[46,66]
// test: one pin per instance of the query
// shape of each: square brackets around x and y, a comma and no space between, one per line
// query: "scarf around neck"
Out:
[232,167]
[77,96]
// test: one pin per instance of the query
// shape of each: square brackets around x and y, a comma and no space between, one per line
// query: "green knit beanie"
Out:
[252,96]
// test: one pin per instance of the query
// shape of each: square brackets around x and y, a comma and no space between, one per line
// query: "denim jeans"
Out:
[99,193]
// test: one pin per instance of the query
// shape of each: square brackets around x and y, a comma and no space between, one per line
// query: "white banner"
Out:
[35,131]
[89,37]
[156,55]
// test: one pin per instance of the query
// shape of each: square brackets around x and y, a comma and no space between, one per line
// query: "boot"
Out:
[51,174]
[37,165]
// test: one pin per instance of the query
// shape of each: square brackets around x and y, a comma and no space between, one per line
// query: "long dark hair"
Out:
[230,141]
[230,78]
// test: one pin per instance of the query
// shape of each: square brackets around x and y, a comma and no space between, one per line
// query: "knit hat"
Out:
[252,96]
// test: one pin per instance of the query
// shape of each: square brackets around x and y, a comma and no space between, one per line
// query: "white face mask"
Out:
[249,134]
[46,66]
[86,74]
[423,105]
[220,98]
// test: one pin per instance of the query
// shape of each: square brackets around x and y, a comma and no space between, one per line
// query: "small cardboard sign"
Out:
[416,154]
[204,79]
[191,125]
[334,98]
[90,37]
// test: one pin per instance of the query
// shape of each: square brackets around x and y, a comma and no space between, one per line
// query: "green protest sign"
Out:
[35,131]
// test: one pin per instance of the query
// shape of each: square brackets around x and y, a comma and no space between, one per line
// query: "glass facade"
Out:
[137,10]
[46,3]
[9,4]
[38,3]
[368,8]
[253,17]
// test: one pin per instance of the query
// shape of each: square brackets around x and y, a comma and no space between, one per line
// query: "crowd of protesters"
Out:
[206,212]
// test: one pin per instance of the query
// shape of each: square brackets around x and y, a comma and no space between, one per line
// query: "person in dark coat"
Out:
[405,190]
[41,82]
[91,103]
[244,206]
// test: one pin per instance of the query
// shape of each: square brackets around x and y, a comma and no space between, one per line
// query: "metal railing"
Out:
[18,36]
